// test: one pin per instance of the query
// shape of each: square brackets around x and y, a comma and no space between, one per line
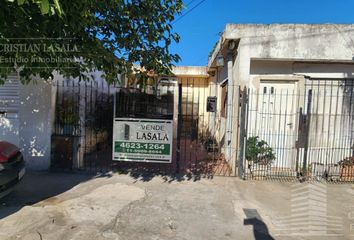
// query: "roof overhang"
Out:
[223,48]
[300,60]
[190,71]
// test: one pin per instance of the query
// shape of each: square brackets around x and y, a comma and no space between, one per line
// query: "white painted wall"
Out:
[289,41]
[29,119]
[36,118]
[288,68]
[286,43]
[9,104]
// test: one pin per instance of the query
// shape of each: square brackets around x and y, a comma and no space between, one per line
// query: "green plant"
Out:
[67,114]
[258,151]
[107,36]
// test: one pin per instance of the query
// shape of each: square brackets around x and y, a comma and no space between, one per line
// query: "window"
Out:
[224,100]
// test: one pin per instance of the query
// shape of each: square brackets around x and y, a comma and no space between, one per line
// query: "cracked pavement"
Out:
[77,206]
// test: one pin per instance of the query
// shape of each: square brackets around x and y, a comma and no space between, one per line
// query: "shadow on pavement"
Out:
[145,175]
[260,229]
[38,186]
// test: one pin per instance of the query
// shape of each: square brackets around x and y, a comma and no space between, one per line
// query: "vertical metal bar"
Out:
[268,136]
[192,127]
[300,133]
[247,91]
[110,140]
[102,121]
[114,116]
[74,125]
[252,117]
[350,121]
[243,133]
[242,137]
[203,110]
[179,128]
[351,117]
[342,126]
[80,126]
[65,108]
[308,120]
[95,128]
[351,173]
[261,108]
[199,85]
[318,141]
[57,114]
[311,134]
[85,126]
[272,127]
[279,133]
[328,152]
[322,150]
[292,137]
[90,126]
[334,140]
[186,131]
[285,133]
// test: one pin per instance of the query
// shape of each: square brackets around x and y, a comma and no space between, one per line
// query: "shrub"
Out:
[258,151]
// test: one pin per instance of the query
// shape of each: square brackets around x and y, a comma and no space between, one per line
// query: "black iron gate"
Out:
[310,133]
[82,133]
[199,151]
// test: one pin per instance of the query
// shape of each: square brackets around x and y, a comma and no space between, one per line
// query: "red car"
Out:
[12,167]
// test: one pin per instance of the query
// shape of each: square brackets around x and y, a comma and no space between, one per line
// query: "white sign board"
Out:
[142,140]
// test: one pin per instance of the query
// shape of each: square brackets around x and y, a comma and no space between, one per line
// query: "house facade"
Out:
[291,85]
[292,72]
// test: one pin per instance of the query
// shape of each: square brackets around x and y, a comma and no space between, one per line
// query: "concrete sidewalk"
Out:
[76,206]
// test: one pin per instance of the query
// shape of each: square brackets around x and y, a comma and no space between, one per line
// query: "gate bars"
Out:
[311,132]
[82,133]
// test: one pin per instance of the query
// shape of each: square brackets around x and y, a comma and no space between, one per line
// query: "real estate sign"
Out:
[142,140]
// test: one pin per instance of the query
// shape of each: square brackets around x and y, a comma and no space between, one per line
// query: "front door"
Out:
[277,110]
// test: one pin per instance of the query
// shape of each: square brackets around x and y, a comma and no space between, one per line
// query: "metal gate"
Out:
[82,136]
[311,133]
[199,151]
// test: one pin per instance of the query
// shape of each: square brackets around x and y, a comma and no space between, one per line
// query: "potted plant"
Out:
[259,156]
[347,169]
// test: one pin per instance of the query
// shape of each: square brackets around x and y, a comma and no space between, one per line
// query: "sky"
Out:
[201,27]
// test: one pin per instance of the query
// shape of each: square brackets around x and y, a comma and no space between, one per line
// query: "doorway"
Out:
[273,118]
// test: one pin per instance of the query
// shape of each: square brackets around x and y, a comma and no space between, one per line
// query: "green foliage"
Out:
[45,6]
[258,151]
[108,36]
[67,113]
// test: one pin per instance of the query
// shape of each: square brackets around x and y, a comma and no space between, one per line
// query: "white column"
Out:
[230,88]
